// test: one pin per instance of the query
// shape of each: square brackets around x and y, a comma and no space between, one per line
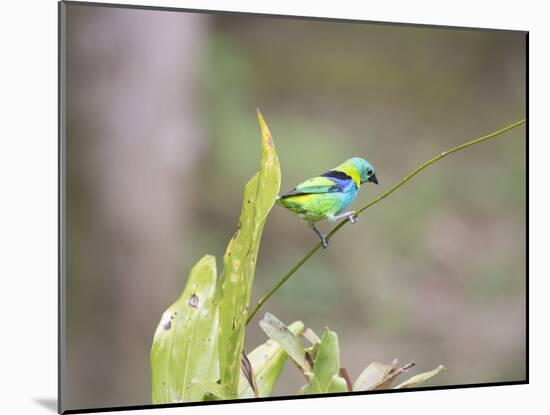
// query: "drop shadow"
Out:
[48,403]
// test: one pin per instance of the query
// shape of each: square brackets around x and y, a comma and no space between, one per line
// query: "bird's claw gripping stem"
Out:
[324,240]
[352,217]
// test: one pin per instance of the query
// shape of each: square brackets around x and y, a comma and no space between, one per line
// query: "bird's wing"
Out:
[315,185]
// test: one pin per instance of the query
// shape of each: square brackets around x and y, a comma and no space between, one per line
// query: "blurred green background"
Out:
[162,136]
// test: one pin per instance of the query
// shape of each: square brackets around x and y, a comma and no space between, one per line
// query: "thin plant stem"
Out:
[313,250]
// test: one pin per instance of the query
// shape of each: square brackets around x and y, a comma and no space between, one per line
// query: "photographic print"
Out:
[259,206]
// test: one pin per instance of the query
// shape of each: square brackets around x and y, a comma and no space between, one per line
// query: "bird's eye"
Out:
[369,171]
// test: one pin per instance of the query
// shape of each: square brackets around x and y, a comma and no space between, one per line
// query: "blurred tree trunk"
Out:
[133,134]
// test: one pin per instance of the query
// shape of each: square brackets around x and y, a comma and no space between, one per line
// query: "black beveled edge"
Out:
[62,227]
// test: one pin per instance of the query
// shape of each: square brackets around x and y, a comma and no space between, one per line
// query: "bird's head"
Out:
[364,169]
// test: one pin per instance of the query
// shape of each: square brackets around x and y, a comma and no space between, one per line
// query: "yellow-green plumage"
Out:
[314,207]
[328,195]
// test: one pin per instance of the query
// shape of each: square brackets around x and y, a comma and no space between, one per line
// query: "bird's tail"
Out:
[286,202]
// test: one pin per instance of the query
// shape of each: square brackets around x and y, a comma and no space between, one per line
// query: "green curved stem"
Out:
[372,202]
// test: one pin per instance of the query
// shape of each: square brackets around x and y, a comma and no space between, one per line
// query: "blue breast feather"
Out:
[347,190]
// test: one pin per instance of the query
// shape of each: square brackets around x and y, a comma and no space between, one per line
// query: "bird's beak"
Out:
[373,179]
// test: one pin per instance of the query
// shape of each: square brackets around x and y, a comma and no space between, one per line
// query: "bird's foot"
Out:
[351,216]
[322,237]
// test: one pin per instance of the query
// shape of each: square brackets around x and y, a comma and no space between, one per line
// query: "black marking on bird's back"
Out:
[340,175]
[300,192]
[289,193]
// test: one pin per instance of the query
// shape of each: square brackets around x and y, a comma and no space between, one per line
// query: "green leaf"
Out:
[185,345]
[325,377]
[419,379]
[372,376]
[276,330]
[240,260]
[313,340]
[337,384]
[215,389]
[267,361]
[311,337]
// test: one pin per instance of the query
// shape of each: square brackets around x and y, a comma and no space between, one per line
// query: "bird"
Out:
[328,195]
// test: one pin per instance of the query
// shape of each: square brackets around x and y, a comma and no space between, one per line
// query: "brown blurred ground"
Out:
[162,136]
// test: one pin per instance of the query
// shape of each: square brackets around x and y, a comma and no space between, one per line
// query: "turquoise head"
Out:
[359,169]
